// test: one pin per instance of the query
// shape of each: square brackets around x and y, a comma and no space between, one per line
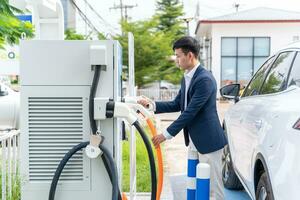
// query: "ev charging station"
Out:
[71,111]
[56,78]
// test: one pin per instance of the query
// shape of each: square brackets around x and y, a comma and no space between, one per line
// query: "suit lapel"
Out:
[182,94]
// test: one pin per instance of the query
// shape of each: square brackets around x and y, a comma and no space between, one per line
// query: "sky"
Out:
[146,8]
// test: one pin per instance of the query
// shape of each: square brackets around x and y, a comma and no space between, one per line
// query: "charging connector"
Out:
[100,108]
[105,108]
[123,110]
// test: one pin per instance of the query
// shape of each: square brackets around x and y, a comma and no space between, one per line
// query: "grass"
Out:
[16,188]
[143,177]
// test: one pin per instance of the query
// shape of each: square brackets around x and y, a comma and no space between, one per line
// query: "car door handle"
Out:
[258,123]
[275,116]
[241,120]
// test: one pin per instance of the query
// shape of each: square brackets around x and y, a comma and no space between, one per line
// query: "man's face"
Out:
[184,61]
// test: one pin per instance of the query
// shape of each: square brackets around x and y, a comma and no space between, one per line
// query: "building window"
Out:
[241,57]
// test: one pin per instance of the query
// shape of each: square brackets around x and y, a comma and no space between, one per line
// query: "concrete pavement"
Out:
[175,161]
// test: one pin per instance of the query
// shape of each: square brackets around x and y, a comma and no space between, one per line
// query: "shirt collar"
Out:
[191,73]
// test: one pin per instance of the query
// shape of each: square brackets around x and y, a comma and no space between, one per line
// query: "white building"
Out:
[234,46]
[69,14]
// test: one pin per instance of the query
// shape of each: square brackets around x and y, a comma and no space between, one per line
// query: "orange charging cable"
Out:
[124,197]
[153,131]
[159,161]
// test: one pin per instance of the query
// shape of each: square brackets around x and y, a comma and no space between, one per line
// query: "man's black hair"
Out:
[187,44]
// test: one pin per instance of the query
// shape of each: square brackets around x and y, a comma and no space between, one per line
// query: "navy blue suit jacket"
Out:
[199,119]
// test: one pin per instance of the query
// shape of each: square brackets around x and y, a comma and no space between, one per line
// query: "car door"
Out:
[259,116]
[240,141]
[281,141]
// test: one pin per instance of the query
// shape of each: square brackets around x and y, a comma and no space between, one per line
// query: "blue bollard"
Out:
[203,181]
[191,174]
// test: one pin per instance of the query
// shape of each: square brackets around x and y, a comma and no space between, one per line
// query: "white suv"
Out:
[9,108]
[263,130]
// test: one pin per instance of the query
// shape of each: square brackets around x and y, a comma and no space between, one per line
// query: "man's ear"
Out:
[191,55]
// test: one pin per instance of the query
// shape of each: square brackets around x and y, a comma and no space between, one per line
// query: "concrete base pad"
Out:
[178,185]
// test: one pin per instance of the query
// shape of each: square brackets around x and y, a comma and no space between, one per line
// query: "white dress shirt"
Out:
[188,75]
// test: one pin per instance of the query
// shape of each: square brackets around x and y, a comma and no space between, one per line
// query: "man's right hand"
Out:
[144,101]
[158,139]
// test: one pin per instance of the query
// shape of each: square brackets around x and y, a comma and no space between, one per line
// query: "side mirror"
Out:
[231,91]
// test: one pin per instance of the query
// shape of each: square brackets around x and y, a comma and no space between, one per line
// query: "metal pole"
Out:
[132,140]
[9,167]
[187,20]
[126,16]
[3,142]
[121,8]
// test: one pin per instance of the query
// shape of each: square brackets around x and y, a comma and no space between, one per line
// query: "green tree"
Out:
[5,8]
[11,28]
[152,50]
[70,34]
[169,13]
[101,36]
[153,43]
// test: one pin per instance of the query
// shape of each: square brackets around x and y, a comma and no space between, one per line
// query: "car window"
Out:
[257,80]
[295,72]
[276,80]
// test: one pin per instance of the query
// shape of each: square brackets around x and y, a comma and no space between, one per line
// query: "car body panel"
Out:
[261,127]
[275,140]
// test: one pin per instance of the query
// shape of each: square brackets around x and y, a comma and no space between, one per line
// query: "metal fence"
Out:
[158,94]
[9,162]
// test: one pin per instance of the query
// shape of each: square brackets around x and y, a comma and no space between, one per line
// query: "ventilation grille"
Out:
[55,126]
